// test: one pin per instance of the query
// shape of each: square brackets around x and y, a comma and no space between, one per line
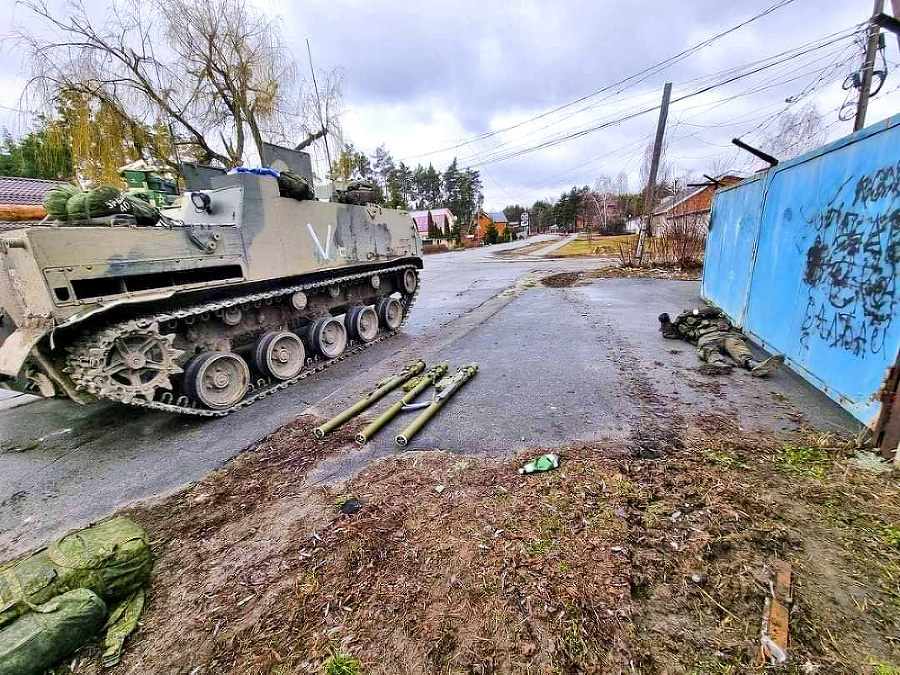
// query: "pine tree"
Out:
[434,231]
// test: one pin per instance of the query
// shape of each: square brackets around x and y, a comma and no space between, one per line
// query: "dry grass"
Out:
[586,569]
[597,246]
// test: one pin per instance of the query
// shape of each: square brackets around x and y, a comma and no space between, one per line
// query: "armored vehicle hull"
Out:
[235,295]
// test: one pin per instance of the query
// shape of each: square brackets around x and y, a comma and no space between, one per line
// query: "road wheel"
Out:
[390,313]
[217,380]
[328,337]
[362,323]
[410,281]
[280,355]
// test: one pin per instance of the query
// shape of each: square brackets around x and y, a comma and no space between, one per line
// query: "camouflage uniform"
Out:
[713,334]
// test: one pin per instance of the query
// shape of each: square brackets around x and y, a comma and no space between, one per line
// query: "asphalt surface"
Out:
[556,365]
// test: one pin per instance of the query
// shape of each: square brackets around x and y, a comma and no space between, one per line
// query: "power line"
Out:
[577,133]
[651,70]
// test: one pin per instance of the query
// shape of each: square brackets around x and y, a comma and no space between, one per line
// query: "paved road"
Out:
[556,364]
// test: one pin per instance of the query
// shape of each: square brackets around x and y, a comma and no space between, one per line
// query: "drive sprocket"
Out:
[123,363]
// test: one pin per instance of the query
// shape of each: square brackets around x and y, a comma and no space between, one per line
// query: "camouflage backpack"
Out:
[40,611]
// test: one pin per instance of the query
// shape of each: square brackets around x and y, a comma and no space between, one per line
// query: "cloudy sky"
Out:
[527,91]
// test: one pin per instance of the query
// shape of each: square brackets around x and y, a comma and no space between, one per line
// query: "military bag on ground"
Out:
[112,560]
[37,640]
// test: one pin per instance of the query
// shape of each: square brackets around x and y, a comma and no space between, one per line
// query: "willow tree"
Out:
[179,79]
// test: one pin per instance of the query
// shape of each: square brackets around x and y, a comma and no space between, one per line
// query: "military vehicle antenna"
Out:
[319,105]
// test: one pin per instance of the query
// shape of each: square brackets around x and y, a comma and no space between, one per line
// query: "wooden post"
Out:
[868,67]
[654,167]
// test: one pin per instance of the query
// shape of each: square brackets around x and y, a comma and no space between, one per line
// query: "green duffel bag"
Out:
[294,186]
[38,640]
[144,213]
[104,200]
[56,199]
[112,559]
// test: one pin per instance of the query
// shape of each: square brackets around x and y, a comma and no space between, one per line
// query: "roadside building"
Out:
[443,220]
[484,220]
[690,209]
[21,201]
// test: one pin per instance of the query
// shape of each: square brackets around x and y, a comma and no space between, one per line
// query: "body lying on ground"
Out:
[715,338]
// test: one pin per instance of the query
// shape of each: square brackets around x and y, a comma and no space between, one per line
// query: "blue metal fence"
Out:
[805,256]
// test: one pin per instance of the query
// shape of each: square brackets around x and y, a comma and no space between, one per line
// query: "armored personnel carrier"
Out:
[247,287]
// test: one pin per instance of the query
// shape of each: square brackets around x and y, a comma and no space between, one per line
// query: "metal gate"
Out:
[804,257]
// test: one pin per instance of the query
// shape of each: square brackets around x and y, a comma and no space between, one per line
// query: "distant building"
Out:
[443,220]
[689,208]
[693,208]
[484,220]
[23,197]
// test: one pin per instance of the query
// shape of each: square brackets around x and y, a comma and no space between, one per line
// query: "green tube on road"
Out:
[421,384]
[383,387]
[448,387]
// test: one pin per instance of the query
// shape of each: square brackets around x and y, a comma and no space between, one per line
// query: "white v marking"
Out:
[323,251]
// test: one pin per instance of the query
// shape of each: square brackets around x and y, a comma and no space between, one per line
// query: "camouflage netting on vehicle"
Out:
[55,201]
[66,203]
[103,200]
[292,185]
[111,560]
[37,640]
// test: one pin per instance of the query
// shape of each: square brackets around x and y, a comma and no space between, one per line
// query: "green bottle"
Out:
[541,464]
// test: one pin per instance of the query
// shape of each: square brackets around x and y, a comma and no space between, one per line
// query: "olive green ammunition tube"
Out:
[463,374]
[413,368]
[424,381]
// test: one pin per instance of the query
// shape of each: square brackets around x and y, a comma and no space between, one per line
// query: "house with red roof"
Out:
[443,220]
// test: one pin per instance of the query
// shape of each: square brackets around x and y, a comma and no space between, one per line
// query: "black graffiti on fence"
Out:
[852,265]
[882,183]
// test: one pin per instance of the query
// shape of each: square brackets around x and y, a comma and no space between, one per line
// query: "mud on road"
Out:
[621,560]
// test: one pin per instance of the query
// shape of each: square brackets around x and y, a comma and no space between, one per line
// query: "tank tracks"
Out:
[82,360]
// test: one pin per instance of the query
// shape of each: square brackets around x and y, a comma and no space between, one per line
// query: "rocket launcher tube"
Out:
[424,381]
[413,368]
[449,386]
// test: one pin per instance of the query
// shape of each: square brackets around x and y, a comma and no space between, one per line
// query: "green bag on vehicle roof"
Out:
[112,560]
[56,198]
[104,200]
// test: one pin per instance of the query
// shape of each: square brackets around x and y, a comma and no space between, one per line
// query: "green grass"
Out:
[538,547]
[724,460]
[891,536]
[881,669]
[607,247]
[796,460]
[339,664]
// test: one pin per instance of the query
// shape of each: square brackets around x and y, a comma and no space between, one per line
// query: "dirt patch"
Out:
[523,250]
[615,272]
[562,279]
[618,561]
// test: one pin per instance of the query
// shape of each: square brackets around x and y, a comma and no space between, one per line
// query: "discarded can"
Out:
[446,388]
[383,387]
[413,388]
[542,463]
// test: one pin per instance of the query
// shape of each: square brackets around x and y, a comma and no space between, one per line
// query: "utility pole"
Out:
[654,167]
[871,50]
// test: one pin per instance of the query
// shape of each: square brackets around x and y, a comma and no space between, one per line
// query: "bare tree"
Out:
[218,72]
[797,132]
